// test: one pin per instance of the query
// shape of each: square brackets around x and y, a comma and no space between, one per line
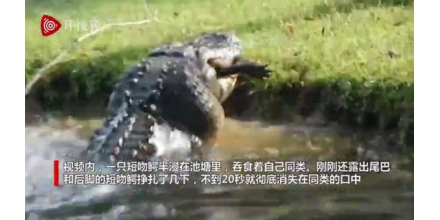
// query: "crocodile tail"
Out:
[125,136]
[126,131]
[136,135]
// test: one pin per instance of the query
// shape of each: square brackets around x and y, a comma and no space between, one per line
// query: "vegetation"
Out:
[357,55]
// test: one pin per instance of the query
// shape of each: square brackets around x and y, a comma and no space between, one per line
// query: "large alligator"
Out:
[181,86]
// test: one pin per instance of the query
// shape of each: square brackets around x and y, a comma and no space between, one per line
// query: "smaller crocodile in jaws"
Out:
[177,86]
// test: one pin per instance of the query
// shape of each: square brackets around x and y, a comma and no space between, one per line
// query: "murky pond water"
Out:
[377,196]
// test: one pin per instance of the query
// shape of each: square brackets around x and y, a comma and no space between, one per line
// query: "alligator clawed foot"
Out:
[256,70]
[239,66]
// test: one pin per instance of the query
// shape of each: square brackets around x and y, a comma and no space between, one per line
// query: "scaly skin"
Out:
[176,85]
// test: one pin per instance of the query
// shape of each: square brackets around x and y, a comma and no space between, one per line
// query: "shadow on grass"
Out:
[347,6]
[388,108]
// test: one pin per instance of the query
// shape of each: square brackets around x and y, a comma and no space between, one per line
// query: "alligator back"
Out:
[172,89]
[165,91]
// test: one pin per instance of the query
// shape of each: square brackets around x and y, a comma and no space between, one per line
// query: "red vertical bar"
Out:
[56,172]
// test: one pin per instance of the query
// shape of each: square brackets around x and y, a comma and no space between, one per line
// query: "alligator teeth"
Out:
[127,93]
[153,107]
[140,73]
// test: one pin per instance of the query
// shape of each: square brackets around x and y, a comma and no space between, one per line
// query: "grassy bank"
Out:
[349,58]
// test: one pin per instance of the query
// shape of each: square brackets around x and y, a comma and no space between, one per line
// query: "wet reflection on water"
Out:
[378,196]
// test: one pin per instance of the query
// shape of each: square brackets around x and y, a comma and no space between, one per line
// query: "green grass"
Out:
[363,47]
